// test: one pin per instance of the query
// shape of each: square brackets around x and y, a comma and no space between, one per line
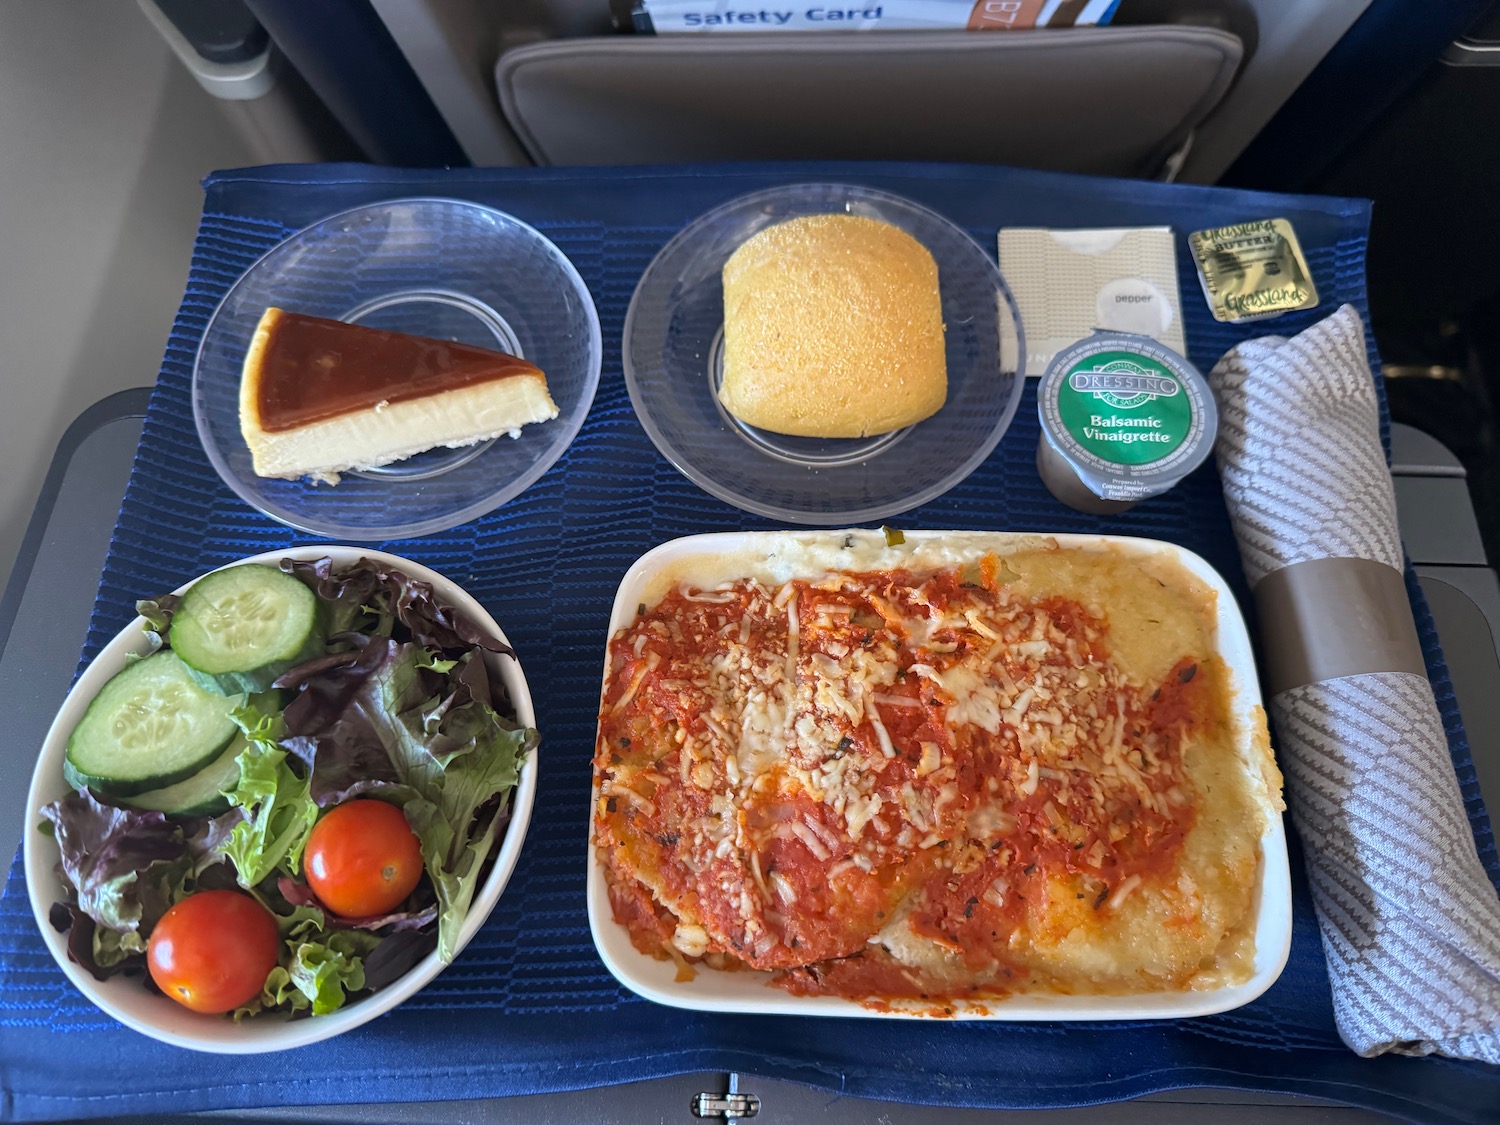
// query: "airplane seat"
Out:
[1110,100]
[556,82]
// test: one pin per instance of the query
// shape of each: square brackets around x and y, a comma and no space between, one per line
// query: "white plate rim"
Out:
[746,992]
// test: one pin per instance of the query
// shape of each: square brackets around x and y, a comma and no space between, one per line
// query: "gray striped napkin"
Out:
[1410,922]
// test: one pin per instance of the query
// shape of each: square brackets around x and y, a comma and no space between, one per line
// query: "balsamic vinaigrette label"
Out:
[1124,407]
[1126,416]
[1253,270]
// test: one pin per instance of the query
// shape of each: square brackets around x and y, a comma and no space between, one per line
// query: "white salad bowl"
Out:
[125,998]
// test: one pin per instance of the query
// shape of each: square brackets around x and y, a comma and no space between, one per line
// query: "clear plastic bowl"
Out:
[673,356]
[443,268]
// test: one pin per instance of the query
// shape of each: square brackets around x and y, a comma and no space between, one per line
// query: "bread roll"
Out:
[833,327]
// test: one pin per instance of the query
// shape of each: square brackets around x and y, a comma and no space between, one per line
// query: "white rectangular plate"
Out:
[750,992]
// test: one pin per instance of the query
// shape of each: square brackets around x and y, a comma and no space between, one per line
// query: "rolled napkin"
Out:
[1410,921]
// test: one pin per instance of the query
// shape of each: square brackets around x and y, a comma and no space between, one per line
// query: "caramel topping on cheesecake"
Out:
[319,397]
[312,369]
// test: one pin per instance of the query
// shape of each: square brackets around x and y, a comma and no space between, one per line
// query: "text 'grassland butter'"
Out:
[1253,270]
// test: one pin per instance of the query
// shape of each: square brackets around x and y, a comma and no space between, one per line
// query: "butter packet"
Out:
[1253,270]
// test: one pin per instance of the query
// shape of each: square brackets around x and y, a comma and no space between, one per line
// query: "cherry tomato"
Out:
[363,859]
[212,951]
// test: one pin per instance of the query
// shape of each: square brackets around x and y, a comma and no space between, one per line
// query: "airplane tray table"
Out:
[46,612]
[528,1008]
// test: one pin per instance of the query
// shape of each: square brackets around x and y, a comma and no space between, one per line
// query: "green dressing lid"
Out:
[1130,417]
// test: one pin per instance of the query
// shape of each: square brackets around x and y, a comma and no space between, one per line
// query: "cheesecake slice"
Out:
[319,397]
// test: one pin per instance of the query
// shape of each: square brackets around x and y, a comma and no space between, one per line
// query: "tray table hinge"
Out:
[725,1107]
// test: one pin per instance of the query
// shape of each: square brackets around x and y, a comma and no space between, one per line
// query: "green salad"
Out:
[293,798]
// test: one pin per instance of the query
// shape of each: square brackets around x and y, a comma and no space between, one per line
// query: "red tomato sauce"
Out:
[745,820]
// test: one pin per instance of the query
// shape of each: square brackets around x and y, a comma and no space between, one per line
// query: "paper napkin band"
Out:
[1325,619]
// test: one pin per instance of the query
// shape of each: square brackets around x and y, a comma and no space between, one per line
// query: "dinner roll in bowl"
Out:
[833,327]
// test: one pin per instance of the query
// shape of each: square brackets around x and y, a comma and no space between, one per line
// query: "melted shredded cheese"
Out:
[780,771]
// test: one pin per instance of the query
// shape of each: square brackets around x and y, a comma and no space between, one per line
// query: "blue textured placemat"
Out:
[528,1007]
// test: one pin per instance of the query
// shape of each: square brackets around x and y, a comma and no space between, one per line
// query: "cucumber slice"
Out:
[206,792]
[241,628]
[150,726]
[203,794]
